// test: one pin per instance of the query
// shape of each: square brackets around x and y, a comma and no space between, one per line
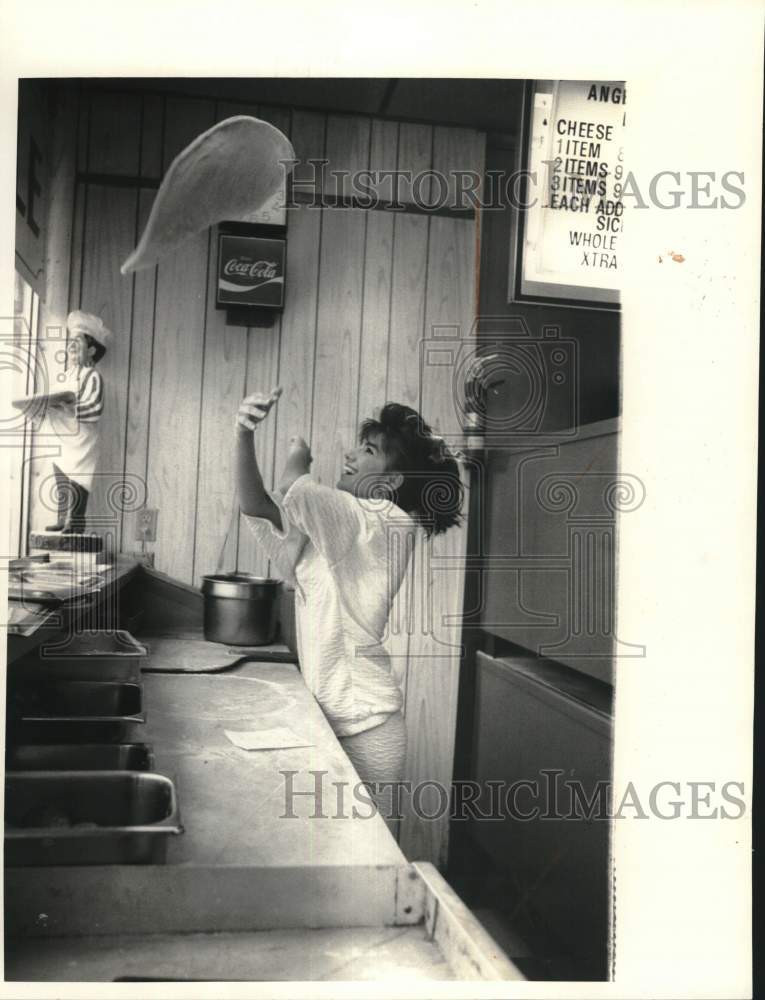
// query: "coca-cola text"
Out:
[244,268]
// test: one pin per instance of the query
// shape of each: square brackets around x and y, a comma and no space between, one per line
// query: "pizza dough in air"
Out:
[226,174]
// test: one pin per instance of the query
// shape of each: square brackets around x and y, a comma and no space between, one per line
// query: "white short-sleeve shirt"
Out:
[346,558]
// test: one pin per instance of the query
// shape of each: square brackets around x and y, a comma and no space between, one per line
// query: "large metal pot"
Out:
[240,609]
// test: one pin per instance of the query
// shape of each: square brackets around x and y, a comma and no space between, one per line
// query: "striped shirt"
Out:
[90,398]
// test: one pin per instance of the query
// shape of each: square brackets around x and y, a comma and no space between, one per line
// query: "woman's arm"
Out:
[253,497]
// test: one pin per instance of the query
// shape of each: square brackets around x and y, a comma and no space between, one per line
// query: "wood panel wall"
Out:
[363,290]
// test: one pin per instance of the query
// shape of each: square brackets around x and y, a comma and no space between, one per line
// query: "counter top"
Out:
[233,802]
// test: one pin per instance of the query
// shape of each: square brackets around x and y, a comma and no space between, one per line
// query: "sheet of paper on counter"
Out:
[280,738]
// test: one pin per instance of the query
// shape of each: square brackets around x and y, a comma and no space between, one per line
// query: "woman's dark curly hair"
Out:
[432,491]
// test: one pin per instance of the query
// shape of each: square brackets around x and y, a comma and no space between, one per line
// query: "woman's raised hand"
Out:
[255,408]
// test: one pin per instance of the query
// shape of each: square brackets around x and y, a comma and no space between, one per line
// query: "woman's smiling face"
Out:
[365,467]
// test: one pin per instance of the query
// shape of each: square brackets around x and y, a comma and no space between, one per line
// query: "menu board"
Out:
[572,216]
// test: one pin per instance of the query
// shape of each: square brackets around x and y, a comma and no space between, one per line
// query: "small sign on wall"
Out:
[251,271]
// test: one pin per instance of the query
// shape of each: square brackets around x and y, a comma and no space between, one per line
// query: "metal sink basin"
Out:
[80,757]
[81,701]
[88,818]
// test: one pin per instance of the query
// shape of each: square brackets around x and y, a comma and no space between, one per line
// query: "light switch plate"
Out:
[146,524]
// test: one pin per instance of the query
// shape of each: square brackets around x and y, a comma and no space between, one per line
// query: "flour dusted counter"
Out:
[255,807]
[266,882]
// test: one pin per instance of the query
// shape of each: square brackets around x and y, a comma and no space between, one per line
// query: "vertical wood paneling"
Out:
[264,342]
[110,229]
[185,119]
[338,333]
[262,373]
[452,251]
[144,286]
[378,276]
[434,655]
[347,150]
[409,276]
[224,384]
[373,373]
[406,318]
[78,237]
[432,682]
[457,149]
[374,364]
[83,127]
[115,123]
[114,144]
[223,387]
[152,124]
[415,154]
[176,403]
[274,212]
[140,381]
[298,333]
[175,414]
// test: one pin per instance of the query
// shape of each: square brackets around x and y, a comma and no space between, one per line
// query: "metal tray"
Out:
[80,757]
[89,668]
[88,818]
[81,701]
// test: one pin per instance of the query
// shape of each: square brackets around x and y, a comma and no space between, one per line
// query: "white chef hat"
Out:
[82,322]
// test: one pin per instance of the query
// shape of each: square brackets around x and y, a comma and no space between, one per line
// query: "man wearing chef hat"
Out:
[76,424]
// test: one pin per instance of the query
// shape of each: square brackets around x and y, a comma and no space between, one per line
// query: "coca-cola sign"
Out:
[251,271]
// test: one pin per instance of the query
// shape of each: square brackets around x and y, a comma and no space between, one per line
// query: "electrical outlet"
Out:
[146,524]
